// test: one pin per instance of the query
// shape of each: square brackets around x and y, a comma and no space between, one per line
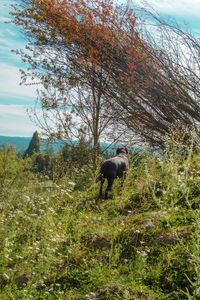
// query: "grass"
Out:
[61,241]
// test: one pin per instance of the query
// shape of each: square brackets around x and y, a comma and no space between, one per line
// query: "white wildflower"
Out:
[51,209]
[5,275]
[142,253]
[57,284]
[71,183]
[53,240]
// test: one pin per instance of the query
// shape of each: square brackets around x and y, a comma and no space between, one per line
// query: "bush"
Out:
[13,169]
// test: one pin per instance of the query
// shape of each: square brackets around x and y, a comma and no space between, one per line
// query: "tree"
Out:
[169,99]
[80,110]
[34,145]
[71,100]
[146,75]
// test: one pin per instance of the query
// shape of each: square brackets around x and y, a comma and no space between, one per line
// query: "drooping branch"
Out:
[148,73]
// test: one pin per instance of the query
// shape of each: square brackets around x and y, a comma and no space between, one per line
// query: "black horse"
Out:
[112,168]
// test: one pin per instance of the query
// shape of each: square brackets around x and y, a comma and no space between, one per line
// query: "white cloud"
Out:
[4,19]
[13,118]
[12,32]
[23,128]
[184,8]
[14,121]
[16,110]
[9,83]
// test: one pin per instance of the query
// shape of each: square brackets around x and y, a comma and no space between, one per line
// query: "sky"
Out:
[15,99]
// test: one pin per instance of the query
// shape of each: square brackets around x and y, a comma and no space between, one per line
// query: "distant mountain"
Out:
[21,143]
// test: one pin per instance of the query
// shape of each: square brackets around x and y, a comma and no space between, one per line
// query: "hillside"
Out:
[21,143]
[59,240]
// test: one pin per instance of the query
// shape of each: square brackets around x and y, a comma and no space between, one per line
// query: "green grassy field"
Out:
[59,240]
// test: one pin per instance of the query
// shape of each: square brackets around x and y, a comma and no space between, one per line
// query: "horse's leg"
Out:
[124,176]
[101,186]
[110,183]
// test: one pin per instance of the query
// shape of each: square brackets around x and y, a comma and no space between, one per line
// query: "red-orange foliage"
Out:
[95,31]
[101,42]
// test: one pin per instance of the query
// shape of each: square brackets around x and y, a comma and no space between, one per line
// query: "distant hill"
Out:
[21,143]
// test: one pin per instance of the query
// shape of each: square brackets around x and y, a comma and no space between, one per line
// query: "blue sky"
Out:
[15,99]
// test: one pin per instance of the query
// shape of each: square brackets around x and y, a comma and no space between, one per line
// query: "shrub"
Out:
[13,169]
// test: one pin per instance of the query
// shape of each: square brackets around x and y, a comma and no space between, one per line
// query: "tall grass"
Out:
[60,241]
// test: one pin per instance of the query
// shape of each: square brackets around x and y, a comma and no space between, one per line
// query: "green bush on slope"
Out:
[59,240]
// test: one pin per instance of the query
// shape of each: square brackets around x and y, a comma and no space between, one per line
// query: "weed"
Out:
[60,241]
